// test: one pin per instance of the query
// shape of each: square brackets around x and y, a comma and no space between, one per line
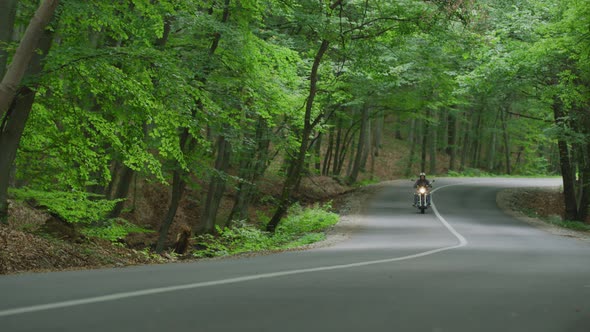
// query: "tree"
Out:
[13,118]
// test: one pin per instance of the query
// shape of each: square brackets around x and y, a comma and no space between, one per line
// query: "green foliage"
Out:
[114,230]
[88,210]
[73,206]
[469,172]
[305,220]
[302,226]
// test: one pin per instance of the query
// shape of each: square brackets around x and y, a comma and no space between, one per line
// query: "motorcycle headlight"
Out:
[422,190]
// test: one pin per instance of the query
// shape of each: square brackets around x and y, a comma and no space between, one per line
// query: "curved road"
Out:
[465,266]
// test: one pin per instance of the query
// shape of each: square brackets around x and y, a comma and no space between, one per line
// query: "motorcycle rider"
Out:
[422,182]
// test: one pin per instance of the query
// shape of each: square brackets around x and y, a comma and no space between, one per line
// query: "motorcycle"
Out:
[423,198]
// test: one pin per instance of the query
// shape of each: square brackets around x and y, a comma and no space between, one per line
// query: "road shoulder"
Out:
[506,202]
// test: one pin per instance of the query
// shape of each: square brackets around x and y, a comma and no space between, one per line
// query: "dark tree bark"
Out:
[318,153]
[361,146]
[294,172]
[13,121]
[178,186]
[378,134]
[338,148]
[569,192]
[466,141]
[124,183]
[253,164]
[24,53]
[432,146]
[216,186]
[329,152]
[7,18]
[413,139]
[424,147]
[506,141]
[452,141]
[478,139]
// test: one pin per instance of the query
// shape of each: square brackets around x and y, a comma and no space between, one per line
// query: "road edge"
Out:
[503,202]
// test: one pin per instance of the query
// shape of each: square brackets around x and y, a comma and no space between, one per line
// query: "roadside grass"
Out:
[558,221]
[301,227]
[479,173]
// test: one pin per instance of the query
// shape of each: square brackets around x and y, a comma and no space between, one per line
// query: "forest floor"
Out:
[27,247]
[34,241]
[543,208]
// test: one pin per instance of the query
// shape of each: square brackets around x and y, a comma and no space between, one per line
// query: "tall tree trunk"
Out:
[178,186]
[361,146]
[424,142]
[478,139]
[7,18]
[318,153]
[378,133]
[412,138]
[433,143]
[452,141]
[216,186]
[506,141]
[294,173]
[491,158]
[124,183]
[329,153]
[338,148]
[13,121]
[569,193]
[24,53]
[466,142]
[253,166]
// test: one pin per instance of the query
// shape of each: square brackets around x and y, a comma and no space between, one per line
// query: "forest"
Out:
[205,99]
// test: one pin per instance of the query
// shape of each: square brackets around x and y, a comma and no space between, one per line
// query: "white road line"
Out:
[462,241]
[124,295]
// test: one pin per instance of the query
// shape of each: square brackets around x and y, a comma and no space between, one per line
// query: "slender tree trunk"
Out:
[412,138]
[178,186]
[338,148]
[567,175]
[425,133]
[216,186]
[361,146]
[367,146]
[294,173]
[378,134]
[583,207]
[24,54]
[466,142]
[124,183]
[254,164]
[452,141]
[329,151]
[433,143]
[7,18]
[13,121]
[318,153]
[478,140]
[506,142]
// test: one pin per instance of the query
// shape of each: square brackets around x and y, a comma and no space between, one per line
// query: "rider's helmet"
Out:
[422,175]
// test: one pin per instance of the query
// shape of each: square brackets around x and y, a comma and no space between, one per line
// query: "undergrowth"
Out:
[557,221]
[302,226]
[88,211]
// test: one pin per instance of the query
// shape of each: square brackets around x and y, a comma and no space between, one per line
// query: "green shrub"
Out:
[302,226]
[71,206]
[89,210]
[114,230]
[305,220]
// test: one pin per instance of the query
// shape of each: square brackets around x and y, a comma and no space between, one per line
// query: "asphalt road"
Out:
[465,266]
